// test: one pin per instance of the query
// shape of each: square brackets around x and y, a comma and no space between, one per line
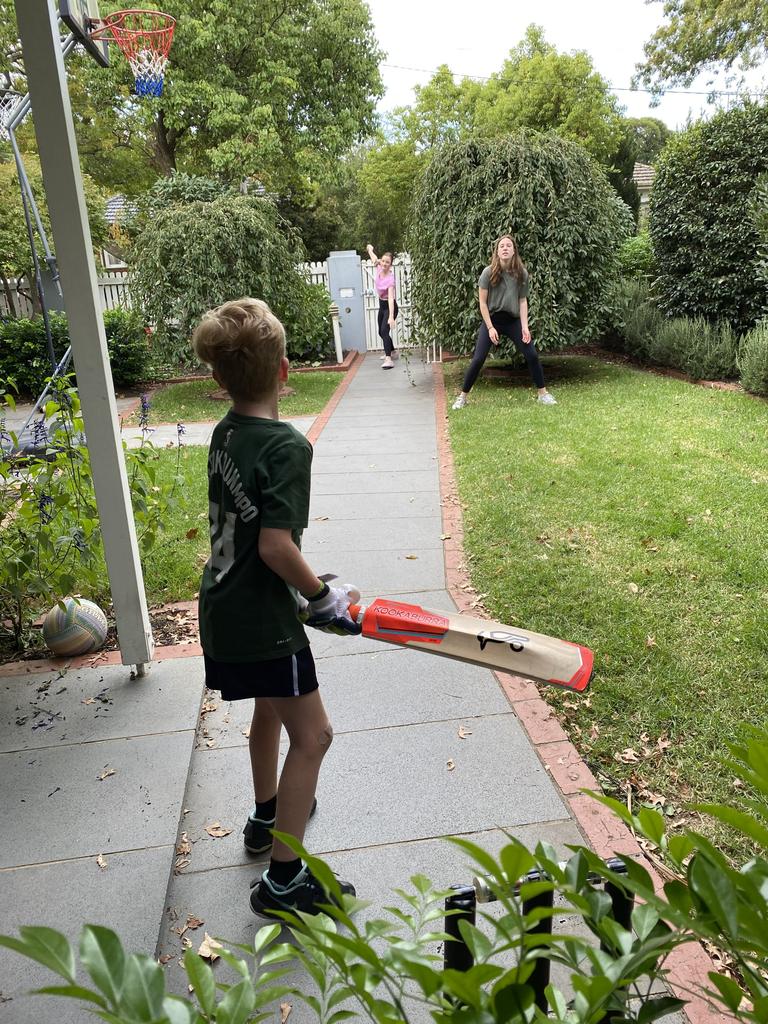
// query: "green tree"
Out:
[387,180]
[566,218]
[15,252]
[648,136]
[540,88]
[276,90]
[442,111]
[704,35]
[193,256]
[706,241]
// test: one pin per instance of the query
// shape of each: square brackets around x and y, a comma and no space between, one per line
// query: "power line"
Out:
[615,88]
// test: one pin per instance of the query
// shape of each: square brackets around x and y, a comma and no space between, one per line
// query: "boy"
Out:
[253,642]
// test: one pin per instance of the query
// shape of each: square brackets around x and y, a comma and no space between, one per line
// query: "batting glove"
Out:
[328,610]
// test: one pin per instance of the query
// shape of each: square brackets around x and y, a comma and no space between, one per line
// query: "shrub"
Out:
[638,318]
[702,350]
[760,217]
[128,346]
[558,204]
[387,966]
[636,256]
[753,360]
[705,241]
[194,256]
[24,354]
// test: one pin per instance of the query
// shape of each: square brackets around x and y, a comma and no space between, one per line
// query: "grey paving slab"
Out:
[384,461]
[409,420]
[127,895]
[375,442]
[60,808]
[389,482]
[220,898]
[377,689]
[379,572]
[83,705]
[373,508]
[416,532]
[386,785]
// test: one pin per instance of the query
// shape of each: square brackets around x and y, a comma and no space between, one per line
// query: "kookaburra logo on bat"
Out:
[501,636]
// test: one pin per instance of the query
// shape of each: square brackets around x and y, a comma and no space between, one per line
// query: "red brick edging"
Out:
[688,966]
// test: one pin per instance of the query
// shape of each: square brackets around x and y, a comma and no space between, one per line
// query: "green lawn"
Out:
[631,518]
[192,402]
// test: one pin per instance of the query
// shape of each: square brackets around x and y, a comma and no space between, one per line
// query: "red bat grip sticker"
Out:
[397,621]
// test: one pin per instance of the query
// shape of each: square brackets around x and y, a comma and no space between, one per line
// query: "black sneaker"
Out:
[304,894]
[257,837]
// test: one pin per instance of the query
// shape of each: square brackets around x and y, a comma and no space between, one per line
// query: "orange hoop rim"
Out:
[113,25]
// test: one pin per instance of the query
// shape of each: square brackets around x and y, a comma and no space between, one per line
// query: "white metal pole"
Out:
[44,65]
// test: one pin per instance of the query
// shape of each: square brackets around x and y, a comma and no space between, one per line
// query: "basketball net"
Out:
[8,103]
[145,39]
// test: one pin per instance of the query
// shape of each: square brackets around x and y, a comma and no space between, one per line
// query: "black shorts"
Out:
[291,676]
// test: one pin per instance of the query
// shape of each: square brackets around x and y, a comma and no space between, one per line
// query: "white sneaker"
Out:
[459,403]
[547,399]
[387,364]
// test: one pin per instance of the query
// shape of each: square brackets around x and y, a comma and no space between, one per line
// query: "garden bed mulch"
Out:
[172,625]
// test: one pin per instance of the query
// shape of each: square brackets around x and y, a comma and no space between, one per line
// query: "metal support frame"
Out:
[54,128]
[461,905]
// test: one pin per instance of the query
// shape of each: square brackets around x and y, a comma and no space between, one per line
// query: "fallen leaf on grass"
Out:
[105,773]
[463,733]
[191,534]
[450,765]
[208,948]
[183,847]
[102,862]
[215,831]
[650,641]
[628,756]
[633,588]
[285,1012]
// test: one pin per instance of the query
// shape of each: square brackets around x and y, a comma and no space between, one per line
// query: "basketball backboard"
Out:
[78,16]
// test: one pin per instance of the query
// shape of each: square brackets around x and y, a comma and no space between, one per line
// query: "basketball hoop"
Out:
[145,38]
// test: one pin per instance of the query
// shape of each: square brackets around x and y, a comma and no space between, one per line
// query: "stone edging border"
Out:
[687,966]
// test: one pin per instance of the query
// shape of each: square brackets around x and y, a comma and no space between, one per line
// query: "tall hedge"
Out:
[705,241]
[558,204]
[194,256]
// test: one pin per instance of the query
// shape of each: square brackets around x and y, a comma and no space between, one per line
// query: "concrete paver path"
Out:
[95,763]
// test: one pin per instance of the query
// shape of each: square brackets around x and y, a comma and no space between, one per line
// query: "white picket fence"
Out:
[114,291]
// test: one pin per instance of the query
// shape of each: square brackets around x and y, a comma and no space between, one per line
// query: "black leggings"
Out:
[384,334]
[511,327]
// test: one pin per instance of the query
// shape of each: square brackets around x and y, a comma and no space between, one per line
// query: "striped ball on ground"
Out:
[78,627]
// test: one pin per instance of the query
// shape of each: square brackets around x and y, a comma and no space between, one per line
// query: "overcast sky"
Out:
[474,38]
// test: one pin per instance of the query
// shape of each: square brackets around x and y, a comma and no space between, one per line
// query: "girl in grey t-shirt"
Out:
[503,297]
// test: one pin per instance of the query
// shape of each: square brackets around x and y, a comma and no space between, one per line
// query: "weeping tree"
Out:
[192,256]
[555,200]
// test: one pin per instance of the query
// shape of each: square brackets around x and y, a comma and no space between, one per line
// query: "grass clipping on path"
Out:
[630,518]
[191,402]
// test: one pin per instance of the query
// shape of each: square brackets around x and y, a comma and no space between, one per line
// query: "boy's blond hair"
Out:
[244,342]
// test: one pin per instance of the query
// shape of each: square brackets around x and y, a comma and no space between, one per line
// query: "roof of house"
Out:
[119,209]
[643,175]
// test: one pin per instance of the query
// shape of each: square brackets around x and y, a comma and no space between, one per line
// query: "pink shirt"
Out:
[384,282]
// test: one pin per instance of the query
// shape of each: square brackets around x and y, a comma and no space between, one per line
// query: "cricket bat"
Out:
[544,659]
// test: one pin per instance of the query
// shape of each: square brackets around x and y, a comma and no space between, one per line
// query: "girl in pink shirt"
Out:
[385,289]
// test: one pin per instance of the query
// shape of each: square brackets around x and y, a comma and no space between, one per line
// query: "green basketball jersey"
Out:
[258,475]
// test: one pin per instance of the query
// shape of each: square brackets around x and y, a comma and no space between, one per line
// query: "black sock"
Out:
[283,872]
[267,810]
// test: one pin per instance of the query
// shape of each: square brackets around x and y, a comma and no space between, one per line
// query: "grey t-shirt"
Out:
[505,296]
